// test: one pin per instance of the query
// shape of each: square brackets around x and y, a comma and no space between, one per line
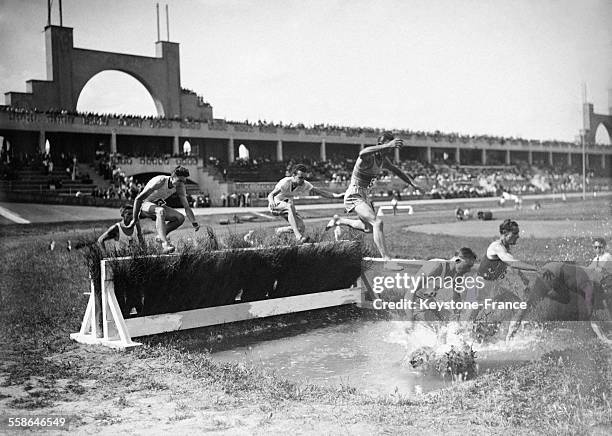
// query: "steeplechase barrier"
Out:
[104,322]
[117,332]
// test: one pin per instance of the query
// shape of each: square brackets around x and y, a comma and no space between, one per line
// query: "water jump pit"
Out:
[539,229]
[377,356]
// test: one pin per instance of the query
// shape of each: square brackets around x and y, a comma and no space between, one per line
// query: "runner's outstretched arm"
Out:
[381,147]
[326,194]
[399,173]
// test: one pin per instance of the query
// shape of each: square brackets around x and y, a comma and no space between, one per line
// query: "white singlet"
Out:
[160,193]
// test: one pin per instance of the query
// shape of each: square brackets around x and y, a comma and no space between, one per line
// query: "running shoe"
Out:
[332,222]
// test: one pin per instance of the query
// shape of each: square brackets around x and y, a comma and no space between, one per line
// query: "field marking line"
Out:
[13,216]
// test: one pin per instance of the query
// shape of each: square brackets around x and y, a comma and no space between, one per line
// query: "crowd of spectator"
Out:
[120,186]
[436,136]
[127,188]
[323,128]
[56,168]
[464,182]
[442,179]
[101,119]
[236,200]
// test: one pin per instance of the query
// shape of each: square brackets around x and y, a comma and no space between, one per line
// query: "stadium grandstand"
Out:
[53,153]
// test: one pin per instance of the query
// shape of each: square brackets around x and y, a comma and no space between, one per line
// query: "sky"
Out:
[498,67]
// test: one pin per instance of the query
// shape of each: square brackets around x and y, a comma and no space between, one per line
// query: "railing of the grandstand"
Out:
[111,120]
[189,160]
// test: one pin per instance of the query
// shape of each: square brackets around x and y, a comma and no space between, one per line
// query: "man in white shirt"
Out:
[151,203]
[280,201]
[603,259]
[119,235]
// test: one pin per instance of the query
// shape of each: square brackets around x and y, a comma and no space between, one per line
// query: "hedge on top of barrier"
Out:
[196,278]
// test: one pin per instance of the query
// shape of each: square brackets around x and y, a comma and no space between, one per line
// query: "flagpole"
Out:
[583,134]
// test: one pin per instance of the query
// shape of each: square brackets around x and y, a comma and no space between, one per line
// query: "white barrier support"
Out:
[89,326]
[114,330]
[381,209]
[118,332]
[600,334]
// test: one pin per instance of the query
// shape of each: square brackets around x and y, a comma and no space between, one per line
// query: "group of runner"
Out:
[151,202]
[555,280]
[503,276]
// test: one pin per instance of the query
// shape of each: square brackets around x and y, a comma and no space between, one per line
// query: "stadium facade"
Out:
[47,111]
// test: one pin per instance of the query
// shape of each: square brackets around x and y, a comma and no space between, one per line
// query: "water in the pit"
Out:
[372,355]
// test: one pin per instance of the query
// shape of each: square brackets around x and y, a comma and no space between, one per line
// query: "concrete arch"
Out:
[69,69]
[87,64]
[593,121]
[606,130]
[156,101]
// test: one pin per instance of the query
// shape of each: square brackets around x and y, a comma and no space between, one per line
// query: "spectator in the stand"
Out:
[357,197]
[151,203]
[281,201]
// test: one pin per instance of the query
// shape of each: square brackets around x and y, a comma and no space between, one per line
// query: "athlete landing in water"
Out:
[559,281]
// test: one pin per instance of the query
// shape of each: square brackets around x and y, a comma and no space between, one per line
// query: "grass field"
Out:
[171,383]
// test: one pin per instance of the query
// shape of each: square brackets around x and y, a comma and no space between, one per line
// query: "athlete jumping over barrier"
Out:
[280,201]
[151,203]
[369,165]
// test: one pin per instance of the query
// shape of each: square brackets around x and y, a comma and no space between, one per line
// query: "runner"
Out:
[559,281]
[499,283]
[151,203]
[280,201]
[433,278]
[498,257]
[120,233]
[369,165]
